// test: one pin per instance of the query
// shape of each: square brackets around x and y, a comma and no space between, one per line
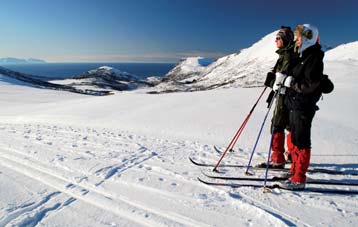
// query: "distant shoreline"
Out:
[61,70]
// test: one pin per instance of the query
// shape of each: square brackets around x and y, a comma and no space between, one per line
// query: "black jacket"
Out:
[307,73]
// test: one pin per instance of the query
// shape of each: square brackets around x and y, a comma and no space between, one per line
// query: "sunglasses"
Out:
[278,38]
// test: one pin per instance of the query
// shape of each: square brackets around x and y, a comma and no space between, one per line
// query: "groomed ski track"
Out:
[104,186]
[135,180]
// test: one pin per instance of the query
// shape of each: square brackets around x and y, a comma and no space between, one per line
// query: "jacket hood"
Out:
[309,37]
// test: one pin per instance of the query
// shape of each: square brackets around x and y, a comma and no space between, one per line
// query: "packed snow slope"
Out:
[186,68]
[72,160]
[243,69]
[344,52]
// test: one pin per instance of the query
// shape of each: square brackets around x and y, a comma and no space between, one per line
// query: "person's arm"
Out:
[313,73]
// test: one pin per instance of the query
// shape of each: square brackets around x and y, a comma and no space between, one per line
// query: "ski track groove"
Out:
[110,170]
[26,208]
[106,200]
[100,138]
[288,219]
[118,169]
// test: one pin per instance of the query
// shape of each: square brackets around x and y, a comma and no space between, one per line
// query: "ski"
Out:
[222,165]
[273,186]
[311,170]
[277,179]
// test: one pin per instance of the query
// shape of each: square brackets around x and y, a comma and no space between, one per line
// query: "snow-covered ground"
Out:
[122,160]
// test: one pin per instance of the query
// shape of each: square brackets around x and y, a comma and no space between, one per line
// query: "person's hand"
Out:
[288,81]
[280,77]
[270,78]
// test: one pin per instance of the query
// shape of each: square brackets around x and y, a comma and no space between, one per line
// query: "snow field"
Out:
[116,172]
[122,183]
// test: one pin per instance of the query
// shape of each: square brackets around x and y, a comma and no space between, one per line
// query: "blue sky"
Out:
[159,30]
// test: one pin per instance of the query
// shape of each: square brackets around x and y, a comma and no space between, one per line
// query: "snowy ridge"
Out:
[248,67]
[245,69]
[186,68]
[344,52]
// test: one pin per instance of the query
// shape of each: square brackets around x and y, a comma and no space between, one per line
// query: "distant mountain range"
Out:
[246,68]
[21,61]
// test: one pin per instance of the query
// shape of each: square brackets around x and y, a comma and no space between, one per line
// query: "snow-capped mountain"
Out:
[21,61]
[24,79]
[348,51]
[186,68]
[106,72]
[246,68]
[105,77]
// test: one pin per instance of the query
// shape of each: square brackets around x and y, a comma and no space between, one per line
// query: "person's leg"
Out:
[301,166]
[278,148]
[300,124]
[279,123]
[290,148]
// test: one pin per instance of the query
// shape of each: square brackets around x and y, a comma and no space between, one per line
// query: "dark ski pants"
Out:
[300,125]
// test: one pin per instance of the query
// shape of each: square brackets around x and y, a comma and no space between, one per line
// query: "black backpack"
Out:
[326,85]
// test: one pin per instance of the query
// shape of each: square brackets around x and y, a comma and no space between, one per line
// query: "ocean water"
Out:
[67,70]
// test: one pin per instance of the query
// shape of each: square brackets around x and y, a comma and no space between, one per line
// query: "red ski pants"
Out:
[300,163]
[278,146]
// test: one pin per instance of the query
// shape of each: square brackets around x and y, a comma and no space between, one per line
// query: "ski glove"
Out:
[288,81]
[270,78]
[280,77]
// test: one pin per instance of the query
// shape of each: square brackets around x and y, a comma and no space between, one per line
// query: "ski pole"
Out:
[238,133]
[269,155]
[259,135]
[268,160]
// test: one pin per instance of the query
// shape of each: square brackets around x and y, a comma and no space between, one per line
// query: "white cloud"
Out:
[144,57]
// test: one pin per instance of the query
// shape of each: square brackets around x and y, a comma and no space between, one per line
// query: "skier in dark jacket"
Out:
[302,94]
[285,44]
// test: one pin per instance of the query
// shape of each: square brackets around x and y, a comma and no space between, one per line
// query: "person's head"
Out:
[284,37]
[306,35]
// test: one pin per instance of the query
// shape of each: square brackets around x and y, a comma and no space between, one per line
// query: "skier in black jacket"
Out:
[301,97]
